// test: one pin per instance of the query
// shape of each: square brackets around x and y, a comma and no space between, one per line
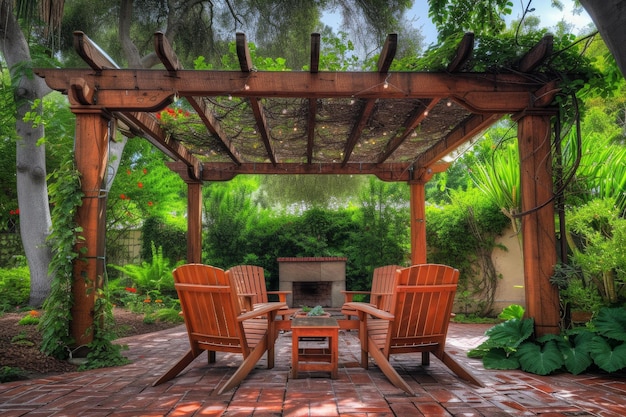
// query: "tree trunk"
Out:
[32,191]
[609,17]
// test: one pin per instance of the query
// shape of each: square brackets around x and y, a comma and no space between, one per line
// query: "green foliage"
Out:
[169,236]
[315,311]
[170,315]
[21,339]
[66,197]
[8,374]
[481,17]
[30,319]
[598,242]
[14,287]
[514,311]
[499,179]
[155,276]
[602,343]
[102,352]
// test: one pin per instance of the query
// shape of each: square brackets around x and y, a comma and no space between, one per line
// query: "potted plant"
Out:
[317,311]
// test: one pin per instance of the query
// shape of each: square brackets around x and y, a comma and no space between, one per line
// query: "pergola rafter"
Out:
[398,126]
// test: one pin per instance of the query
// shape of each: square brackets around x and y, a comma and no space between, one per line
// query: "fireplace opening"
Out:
[308,293]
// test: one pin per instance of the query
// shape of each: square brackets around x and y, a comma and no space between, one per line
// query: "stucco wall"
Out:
[510,266]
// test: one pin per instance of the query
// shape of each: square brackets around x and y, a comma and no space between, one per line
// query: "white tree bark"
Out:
[609,17]
[32,191]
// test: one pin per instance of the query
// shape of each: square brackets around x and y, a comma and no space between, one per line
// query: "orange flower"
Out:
[158,301]
[147,300]
[34,313]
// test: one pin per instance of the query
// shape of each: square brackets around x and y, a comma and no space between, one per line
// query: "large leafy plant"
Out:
[511,345]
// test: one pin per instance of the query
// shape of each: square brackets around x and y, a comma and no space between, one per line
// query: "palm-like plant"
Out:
[500,180]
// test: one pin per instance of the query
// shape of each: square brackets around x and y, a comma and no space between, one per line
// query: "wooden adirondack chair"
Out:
[252,290]
[214,321]
[417,322]
[380,294]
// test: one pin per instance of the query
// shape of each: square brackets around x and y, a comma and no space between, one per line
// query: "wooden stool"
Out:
[315,359]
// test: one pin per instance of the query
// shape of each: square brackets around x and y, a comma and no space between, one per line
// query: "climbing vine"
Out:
[66,197]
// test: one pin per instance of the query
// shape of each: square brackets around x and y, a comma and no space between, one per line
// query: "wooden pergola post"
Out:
[91,155]
[194,222]
[538,230]
[418,219]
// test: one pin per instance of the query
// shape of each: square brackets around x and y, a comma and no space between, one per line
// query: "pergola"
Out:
[398,126]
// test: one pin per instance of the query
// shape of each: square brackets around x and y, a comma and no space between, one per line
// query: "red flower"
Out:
[140,184]
[131,289]
[128,172]
[145,171]
[150,203]
[122,196]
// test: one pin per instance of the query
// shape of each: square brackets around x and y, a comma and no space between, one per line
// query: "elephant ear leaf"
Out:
[510,334]
[499,359]
[540,360]
[607,357]
[514,311]
[611,323]
[576,352]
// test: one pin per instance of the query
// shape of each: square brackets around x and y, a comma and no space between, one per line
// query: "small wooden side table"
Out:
[315,359]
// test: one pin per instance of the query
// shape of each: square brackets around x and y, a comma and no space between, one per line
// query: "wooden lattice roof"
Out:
[396,125]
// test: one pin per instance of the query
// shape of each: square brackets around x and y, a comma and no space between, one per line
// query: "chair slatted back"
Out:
[250,279]
[422,302]
[382,286]
[210,306]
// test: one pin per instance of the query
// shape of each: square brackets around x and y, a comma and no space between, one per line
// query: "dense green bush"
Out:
[14,287]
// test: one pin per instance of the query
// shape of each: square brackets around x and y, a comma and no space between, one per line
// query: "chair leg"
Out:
[459,369]
[387,369]
[178,366]
[246,366]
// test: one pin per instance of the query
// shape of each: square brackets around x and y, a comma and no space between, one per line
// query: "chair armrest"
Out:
[247,301]
[371,310]
[348,295]
[282,295]
[261,310]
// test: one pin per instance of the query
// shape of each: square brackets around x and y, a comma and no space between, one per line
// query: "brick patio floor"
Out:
[127,390]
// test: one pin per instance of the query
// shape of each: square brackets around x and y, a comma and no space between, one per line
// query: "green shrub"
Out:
[14,287]
[8,374]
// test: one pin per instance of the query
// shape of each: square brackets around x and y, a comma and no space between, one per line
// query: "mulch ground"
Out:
[19,344]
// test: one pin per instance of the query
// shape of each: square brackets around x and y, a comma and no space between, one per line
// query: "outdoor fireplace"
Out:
[313,281]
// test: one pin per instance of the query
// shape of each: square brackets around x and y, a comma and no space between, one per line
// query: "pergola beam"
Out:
[384,63]
[412,122]
[463,53]
[169,59]
[140,124]
[245,63]
[463,133]
[537,55]
[505,93]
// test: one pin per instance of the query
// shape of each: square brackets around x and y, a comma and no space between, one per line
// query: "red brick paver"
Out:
[127,391]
